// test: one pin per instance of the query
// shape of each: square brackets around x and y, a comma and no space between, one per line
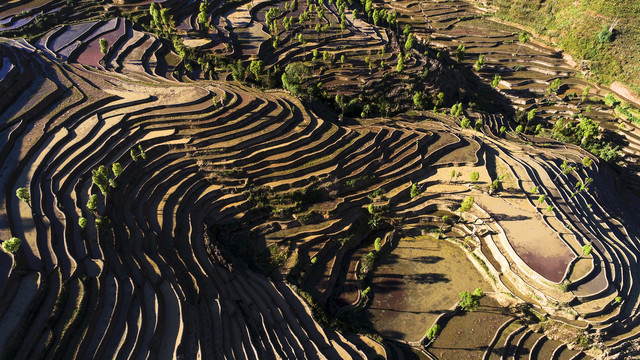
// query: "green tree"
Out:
[466,205]
[519,128]
[531,115]
[371,208]
[100,178]
[465,123]
[407,30]
[605,35]
[82,222]
[167,19]
[342,103]
[103,223]
[478,125]
[471,301]
[523,37]
[433,331]
[294,76]
[554,86]
[256,68]
[478,65]
[12,245]
[237,71]
[133,154]
[460,52]
[496,81]
[541,199]
[411,39]
[154,11]
[445,220]
[587,162]
[534,190]
[116,168]
[475,176]
[378,244]
[143,154]
[439,99]
[550,208]
[587,249]
[453,174]
[414,191]
[585,94]
[104,46]
[23,194]
[417,100]
[400,65]
[92,203]
[503,129]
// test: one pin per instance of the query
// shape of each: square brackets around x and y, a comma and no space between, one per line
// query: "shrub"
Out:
[104,46]
[605,36]
[82,222]
[378,244]
[587,249]
[367,263]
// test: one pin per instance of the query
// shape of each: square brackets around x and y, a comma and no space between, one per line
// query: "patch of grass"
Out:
[578,29]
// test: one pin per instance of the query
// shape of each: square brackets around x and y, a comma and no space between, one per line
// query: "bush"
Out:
[587,249]
[605,36]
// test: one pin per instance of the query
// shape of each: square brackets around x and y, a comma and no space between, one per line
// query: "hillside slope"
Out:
[574,25]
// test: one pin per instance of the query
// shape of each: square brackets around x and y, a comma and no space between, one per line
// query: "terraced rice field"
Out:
[241,222]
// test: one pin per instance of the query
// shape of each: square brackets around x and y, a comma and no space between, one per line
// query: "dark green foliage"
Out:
[272,258]
[605,36]
[104,46]
[585,133]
